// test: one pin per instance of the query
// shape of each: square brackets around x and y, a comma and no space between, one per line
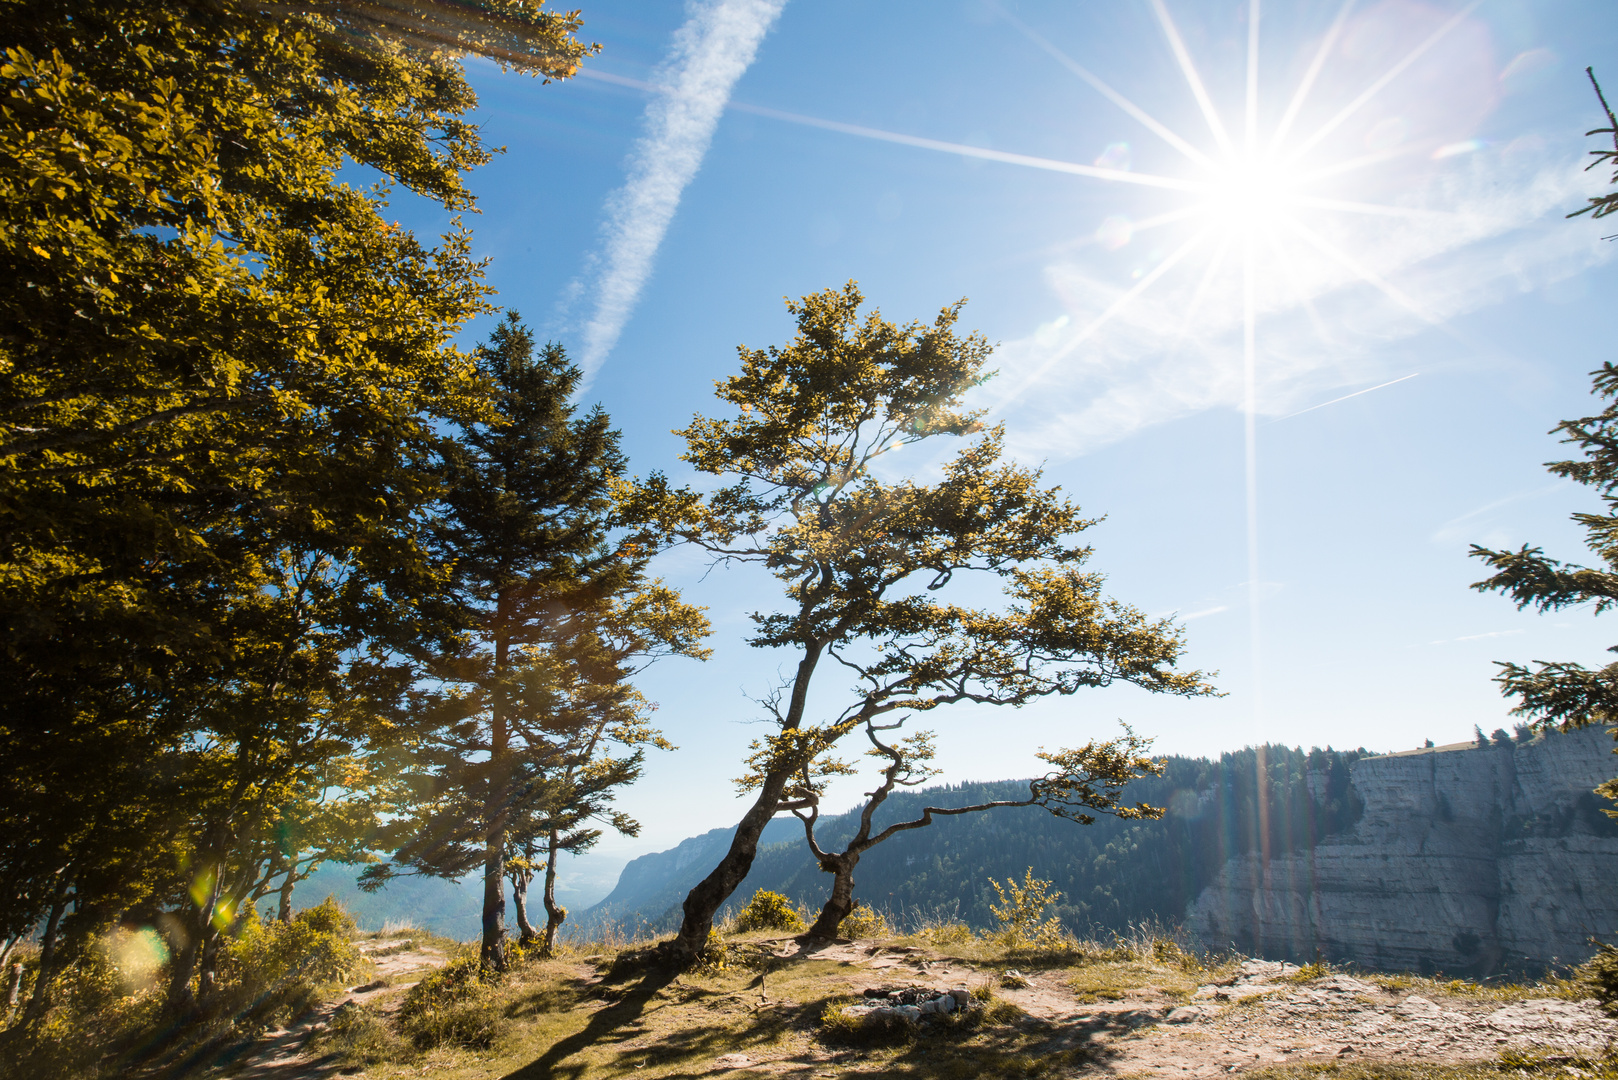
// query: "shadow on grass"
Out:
[605,1026]
[688,1050]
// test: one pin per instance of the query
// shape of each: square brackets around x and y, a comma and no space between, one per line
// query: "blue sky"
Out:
[1403,241]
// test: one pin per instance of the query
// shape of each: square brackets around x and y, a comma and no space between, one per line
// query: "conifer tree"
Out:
[540,572]
[1566,694]
[861,558]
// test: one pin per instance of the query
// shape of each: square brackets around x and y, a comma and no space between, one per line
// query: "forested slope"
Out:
[1112,873]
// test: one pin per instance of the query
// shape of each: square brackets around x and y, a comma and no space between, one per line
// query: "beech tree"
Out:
[861,558]
[1560,693]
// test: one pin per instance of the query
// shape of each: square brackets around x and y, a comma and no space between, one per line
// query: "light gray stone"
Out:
[1466,860]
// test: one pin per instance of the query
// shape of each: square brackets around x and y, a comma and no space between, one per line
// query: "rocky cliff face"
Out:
[1465,860]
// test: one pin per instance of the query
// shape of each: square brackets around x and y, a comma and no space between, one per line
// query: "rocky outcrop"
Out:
[1465,860]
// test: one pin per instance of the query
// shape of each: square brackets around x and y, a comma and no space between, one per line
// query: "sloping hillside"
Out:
[1112,873]
[1269,848]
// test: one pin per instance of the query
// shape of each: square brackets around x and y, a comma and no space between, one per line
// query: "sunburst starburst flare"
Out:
[1289,233]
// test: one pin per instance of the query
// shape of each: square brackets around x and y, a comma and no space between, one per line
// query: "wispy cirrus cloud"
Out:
[713,48]
[1324,330]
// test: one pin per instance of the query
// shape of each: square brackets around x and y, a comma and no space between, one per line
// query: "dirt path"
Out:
[1261,1015]
[280,1056]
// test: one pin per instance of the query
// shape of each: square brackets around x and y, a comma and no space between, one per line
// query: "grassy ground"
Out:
[596,1017]
[604,1010]
[601,1016]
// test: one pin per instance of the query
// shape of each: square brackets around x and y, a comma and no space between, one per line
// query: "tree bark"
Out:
[212,940]
[841,901]
[180,999]
[519,900]
[40,999]
[492,955]
[493,951]
[284,913]
[703,902]
[555,913]
[14,990]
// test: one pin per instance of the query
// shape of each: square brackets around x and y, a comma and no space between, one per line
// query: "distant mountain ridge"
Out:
[946,866]
[658,882]
[1227,821]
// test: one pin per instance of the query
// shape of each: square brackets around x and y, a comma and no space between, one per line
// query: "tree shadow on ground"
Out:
[628,988]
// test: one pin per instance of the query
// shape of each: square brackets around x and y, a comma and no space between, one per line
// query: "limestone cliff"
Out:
[1465,860]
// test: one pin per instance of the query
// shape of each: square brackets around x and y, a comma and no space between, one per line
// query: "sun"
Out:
[1249,194]
[1256,210]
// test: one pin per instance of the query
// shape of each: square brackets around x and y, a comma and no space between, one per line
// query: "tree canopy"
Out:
[861,558]
[226,377]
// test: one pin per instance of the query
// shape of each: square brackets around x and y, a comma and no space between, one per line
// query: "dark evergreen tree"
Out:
[541,573]
[1567,694]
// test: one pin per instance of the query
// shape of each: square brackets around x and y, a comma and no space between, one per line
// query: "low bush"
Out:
[769,911]
[107,1009]
[1021,913]
[1599,975]
[947,934]
[457,1005]
[864,922]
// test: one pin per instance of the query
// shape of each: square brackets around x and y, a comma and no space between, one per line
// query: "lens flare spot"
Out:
[1456,149]
[138,955]
[1115,156]
[1114,232]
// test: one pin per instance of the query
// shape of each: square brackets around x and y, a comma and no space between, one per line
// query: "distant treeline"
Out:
[1111,874]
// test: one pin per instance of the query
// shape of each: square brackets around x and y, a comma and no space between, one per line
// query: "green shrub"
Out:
[272,969]
[864,922]
[1020,911]
[1600,975]
[457,1005]
[715,954]
[769,911]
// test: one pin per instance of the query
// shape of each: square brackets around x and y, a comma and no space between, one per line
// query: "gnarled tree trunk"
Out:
[519,901]
[284,911]
[704,901]
[555,914]
[841,902]
[40,999]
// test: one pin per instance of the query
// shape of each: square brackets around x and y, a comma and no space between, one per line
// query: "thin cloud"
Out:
[1466,527]
[711,50]
[1323,331]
